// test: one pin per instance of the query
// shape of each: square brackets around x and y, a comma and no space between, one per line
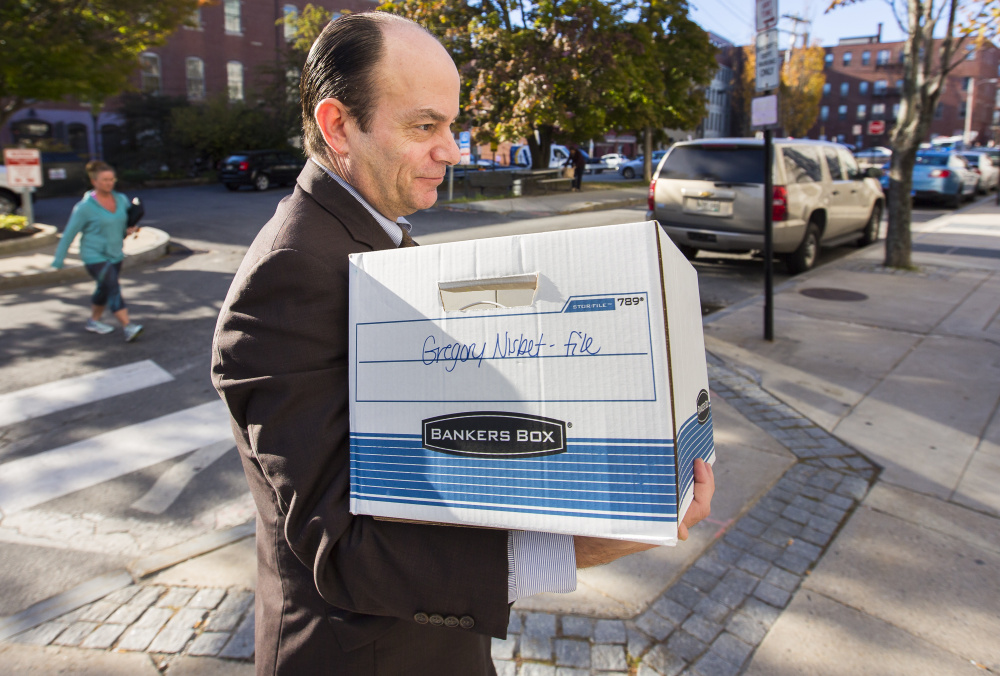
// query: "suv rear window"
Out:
[235,158]
[719,163]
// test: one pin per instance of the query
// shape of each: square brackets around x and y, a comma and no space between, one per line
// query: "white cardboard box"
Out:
[570,395]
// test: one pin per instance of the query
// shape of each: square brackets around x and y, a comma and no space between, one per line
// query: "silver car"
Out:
[709,194]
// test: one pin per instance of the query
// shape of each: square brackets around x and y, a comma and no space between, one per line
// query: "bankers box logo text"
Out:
[494,434]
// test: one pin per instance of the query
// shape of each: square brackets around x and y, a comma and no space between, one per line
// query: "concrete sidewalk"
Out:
[856,527]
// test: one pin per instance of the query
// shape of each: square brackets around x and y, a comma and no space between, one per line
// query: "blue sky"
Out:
[733,19]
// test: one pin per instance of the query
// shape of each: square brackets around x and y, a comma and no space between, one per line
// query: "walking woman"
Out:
[102,217]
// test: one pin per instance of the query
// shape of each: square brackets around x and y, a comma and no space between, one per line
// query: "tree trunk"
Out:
[647,161]
[541,147]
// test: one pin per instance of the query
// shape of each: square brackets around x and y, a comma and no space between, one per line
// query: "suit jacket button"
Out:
[451,621]
[467,622]
[420,618]
[436,620]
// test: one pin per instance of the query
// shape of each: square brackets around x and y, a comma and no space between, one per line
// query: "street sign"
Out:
[767,14]
[24,167]
[464,143]
[876,127]
[856,130]
[764,111]
[768,63]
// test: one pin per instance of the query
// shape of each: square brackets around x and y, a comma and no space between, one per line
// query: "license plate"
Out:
[708,206]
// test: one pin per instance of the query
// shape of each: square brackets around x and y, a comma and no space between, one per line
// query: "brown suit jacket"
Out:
[336,593]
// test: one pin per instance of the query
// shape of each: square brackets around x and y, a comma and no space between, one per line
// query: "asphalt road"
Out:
[49,545]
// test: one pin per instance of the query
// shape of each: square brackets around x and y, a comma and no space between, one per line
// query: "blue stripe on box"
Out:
[695,441]
[603,480]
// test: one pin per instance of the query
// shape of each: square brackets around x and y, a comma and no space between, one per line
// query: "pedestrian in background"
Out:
[579,163]
[102,217]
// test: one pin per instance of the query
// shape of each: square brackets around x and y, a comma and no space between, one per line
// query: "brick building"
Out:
[864,82]
[223,52]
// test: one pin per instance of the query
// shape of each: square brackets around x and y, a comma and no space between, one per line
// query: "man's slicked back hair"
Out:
[343,64]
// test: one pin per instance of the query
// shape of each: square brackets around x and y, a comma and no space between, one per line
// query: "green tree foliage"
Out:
[87,49]
[570,69]
[219,127]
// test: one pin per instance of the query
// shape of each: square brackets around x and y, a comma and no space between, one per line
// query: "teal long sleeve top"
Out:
[103,231]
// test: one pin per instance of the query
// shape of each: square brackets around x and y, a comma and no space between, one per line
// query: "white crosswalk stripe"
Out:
[60,395]
[30,481]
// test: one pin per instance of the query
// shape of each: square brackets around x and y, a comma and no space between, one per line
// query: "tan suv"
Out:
[709,194]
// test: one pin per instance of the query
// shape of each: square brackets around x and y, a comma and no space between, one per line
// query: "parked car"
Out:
[521,156]
[260,169]
[594,165]
[709,194]
[989,173]
[942,175]
[633,168]
[614,160]
[876,156]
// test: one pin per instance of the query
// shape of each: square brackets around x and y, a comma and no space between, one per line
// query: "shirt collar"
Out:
[392,228]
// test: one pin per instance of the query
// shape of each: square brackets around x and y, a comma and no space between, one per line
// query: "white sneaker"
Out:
[95,326]
[131,331]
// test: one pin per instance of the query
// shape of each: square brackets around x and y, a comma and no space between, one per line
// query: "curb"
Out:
[99,587]
[73,273]
[47,234]
[606,206]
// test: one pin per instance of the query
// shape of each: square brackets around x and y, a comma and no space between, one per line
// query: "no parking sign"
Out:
[24,167]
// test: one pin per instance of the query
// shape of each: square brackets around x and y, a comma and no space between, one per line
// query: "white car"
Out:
[989,173]
[877,156]
[613,160]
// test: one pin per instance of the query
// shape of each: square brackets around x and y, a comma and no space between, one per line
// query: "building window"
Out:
[883,57]
[965,83]
[866,58]
[826,89]
[862,111]
[939,111]
[961,110]
[902,55]
[878,111]
[194,20]
[842,112]
[824,113]
[847,58]
[863,88]
[895,110]
[899,86]
[195,69]
[78,138]
[234,23]
[971,49]
[149,68]
[291,13]
[880,87]
[828,59]
[996,117]
[234,80]
[845,88]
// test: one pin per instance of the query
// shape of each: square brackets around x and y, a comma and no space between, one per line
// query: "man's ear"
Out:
[333,119]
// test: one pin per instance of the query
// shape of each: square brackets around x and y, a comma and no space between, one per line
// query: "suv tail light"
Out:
[244,165]
[650,202]
[940,173]
[779,203]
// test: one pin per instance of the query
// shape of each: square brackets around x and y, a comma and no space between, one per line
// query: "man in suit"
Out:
[337,593]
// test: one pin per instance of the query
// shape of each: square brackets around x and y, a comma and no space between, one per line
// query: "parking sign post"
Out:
[24,171]
[764,114]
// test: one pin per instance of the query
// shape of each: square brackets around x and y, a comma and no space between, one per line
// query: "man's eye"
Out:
[425,127]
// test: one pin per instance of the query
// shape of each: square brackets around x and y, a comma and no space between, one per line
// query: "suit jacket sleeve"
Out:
[280,363]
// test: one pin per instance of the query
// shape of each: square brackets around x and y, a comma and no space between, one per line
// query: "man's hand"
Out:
[598,551]
[701,506]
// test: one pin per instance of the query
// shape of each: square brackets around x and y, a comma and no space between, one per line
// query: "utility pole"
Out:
[796,19]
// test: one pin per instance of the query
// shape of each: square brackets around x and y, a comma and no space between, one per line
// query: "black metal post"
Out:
[768,236]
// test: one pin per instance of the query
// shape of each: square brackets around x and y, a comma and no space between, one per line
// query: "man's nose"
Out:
[447,150]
